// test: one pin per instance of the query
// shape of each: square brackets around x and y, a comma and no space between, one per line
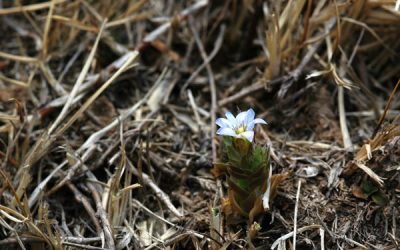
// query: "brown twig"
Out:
[212,86]
[378,126]
[86,204]
[108,231]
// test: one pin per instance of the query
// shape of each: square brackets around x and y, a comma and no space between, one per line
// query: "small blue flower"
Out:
[240,126]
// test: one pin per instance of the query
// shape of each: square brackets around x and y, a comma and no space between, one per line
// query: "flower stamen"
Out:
[240,130]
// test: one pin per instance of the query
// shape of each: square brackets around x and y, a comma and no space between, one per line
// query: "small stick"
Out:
[322,235]
[86,204]
[28,8]
[157,191]
[51,79]
[24,59]
[139,204]
[81,240]
[47,26]
[281,239]
[217,47]
[296,208]
[194,107]
[255,87]
[212,86]
[342,119]
[82,246]
[78,83]
[14,81]
[103,217]
[386,109]
[164,27]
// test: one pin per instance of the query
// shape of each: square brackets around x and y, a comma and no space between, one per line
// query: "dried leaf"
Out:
[358,192]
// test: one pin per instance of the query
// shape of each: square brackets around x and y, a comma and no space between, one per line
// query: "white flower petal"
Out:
[226,131]
[259,120]
[249,135]
[249,116]
[231,118]
[250,126]
[240,118]
[223,123]
[232,126]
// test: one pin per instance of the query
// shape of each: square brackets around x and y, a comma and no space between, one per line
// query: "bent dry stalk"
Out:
[245,164]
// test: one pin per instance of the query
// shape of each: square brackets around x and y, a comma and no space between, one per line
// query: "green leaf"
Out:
[368,187]
[227,140]
[242,146]
[259,158]
[242,183]
[380,198]
[247,168]
[234,157]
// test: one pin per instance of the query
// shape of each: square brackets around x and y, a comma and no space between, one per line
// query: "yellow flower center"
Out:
[240,130]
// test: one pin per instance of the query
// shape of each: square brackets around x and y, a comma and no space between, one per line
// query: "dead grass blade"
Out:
[30,8]
[78,83]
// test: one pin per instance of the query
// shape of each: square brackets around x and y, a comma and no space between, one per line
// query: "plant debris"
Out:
[108,110]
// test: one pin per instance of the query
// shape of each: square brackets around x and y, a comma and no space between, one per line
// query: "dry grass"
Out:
[107,112]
